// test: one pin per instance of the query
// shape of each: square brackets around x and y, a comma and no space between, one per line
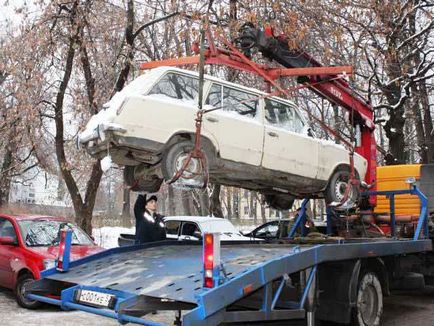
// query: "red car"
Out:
[30,244]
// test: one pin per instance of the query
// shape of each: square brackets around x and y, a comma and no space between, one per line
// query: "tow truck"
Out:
[339,277]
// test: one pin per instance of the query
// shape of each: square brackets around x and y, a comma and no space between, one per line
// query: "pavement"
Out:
[400,309]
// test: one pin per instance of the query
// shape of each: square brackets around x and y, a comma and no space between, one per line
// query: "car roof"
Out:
[164,69]
[23,217]
[196,219]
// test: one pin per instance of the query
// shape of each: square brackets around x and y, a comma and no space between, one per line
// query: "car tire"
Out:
[150,184]
[279,201]
[336,187]
[369,301]
[174,156]
[20,295]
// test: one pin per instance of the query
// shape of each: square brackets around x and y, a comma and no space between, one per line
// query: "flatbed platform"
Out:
[147,277]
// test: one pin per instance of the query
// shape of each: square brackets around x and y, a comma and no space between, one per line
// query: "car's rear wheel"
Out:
[279,201]
[175,157]
[138,181]
[20,296]
[338,183]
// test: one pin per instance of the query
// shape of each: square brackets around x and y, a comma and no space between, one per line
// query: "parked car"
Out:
[30,244]
[192,227]
[252,141]
[278,229]
[271,230]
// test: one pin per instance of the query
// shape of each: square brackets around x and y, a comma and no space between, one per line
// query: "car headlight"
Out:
[49,263]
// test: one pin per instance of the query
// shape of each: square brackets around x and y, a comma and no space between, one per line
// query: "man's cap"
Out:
[153,197]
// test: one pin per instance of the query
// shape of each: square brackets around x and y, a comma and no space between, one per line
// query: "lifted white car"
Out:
[252,141]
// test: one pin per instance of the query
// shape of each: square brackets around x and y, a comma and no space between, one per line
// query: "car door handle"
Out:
[273,134]
[211,119]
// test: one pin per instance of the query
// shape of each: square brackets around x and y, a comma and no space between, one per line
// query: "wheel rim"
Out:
[340,188]
[22,293]
[192,169]
[369,305]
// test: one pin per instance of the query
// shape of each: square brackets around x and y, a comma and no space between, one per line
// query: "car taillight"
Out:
[211,259]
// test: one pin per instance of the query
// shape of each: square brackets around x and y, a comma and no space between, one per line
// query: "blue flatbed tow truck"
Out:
[332,279]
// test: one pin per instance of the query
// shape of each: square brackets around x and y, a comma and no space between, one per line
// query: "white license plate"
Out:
[95,298]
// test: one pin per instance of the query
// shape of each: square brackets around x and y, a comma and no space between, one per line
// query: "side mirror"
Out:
[7,241]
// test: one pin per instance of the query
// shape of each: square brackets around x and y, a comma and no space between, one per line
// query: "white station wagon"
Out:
[252,141]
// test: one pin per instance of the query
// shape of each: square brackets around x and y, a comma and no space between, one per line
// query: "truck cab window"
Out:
[177,86]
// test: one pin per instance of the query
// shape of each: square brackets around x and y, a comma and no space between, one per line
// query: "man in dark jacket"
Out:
[149,224]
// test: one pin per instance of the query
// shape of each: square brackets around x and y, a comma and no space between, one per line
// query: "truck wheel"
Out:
[337,186]
[20,294]
[279,201]
[174,158]
[369,302]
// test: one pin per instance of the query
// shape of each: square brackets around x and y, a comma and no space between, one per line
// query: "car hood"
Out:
[77,252]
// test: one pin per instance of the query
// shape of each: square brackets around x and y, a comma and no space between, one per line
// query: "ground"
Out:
[402,308]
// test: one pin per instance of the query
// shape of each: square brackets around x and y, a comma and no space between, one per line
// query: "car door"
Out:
[7,253]
[172,229]
[190,231]
[286,149]
[237,125]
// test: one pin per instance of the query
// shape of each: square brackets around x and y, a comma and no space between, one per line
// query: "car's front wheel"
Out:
[175,157]
[20,293]
[338,183]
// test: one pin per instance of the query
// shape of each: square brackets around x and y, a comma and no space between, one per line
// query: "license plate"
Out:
[95,298]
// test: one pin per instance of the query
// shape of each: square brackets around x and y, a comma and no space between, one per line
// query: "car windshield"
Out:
[47,233]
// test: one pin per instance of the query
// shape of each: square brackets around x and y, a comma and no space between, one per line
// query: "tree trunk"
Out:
[253,205]
[229,202]
[428,124]
[126,200]
[5,179]
[215,204]
[171,200]
[185,203]
[264,219]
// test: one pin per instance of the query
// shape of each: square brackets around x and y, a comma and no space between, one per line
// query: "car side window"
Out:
[215,96]
[7,229]
[177,86]
[283,116]
[243,103]
[268,231]
[172,227]
[191,229]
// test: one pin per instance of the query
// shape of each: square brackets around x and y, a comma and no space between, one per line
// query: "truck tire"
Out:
[337,185]
[20,295]
[369,301]
[174,157]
